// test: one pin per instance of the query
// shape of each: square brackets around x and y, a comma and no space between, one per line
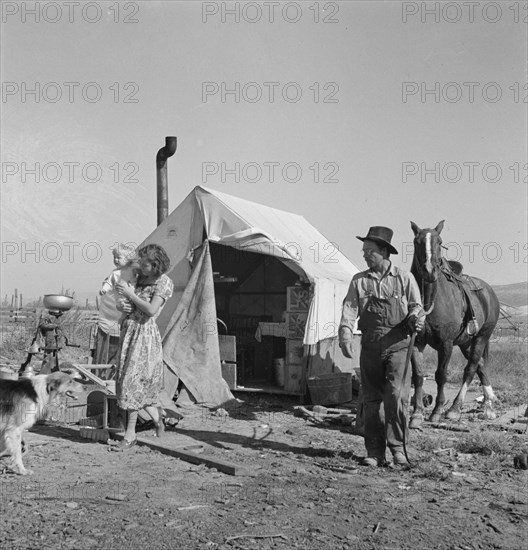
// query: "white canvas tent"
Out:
[208,218]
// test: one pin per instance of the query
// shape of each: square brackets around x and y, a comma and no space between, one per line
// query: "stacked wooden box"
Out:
[95,434]
[297,306]
[228,359]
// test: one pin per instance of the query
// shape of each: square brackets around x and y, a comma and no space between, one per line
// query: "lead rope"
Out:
[402,407]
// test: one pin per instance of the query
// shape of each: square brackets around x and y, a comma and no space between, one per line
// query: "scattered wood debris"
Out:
[320,415]
[250,536]
[447,427]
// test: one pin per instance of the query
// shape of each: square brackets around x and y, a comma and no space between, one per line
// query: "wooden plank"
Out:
[19,320]
[19,315]
[25,308]
[194,458]
[27,314]
[269,390]
[18,312]
[92,366]
[85,369]
[183,452]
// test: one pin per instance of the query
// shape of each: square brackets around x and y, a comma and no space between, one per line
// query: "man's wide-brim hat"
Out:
[380,235]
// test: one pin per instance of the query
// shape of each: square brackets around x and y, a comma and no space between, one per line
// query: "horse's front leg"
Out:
[417,380]
[444,355]
[475,363]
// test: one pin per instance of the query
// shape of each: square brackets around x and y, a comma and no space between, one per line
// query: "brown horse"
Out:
[464,313]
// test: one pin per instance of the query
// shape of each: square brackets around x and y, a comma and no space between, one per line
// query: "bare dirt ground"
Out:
[303,488]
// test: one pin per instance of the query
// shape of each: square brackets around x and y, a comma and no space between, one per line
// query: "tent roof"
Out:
[238,222]
[252,227]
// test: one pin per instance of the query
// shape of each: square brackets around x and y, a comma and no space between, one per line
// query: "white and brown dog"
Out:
[24,402]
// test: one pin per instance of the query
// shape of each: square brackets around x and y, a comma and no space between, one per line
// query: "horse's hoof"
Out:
[489,415]
[453,414]
[435,417]
[416,421]
[23,471]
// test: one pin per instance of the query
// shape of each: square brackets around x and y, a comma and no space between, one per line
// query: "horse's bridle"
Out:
[431,268]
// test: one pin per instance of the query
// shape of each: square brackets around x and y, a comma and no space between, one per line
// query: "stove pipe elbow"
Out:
[161,176]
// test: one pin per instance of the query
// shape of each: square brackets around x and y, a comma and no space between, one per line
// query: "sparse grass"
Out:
[432,469]
[487,443]
[508,365]
[13,343]
[484,443]
[507,368]
[493,463]
[428,465]
[480,442]
[429,442]
[15,340]
[491,450]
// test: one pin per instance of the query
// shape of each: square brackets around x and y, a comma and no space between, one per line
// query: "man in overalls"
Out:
[387,301]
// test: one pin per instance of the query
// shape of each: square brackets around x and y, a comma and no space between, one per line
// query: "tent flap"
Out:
[190,344]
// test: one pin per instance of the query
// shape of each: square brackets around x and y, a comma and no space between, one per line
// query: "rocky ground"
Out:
[301,485]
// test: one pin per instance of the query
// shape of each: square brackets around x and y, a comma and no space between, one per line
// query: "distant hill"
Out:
[515,295]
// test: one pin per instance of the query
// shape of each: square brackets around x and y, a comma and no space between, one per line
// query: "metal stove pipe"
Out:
[161,176]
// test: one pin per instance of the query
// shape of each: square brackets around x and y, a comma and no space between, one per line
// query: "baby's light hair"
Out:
[127,250]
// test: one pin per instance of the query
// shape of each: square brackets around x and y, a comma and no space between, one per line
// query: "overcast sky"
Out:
[351,114]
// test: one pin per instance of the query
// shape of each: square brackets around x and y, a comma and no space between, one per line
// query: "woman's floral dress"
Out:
[140,370]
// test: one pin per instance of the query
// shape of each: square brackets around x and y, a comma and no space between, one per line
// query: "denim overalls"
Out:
[384,342]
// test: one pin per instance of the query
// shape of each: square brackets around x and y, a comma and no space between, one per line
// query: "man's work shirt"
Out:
[396,285]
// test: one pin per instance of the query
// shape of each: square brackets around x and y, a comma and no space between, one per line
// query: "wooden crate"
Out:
[296,325]
[294,352]
[95,434]
[227,346]
[293,378]
[330,389]
[229,374]
[297,299]
[228,358]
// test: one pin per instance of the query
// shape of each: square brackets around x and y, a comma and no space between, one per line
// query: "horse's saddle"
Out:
[452,271]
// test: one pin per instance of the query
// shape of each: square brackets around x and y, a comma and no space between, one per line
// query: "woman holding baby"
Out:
[140,363]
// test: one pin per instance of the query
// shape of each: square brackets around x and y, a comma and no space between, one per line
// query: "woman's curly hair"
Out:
[157,256]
